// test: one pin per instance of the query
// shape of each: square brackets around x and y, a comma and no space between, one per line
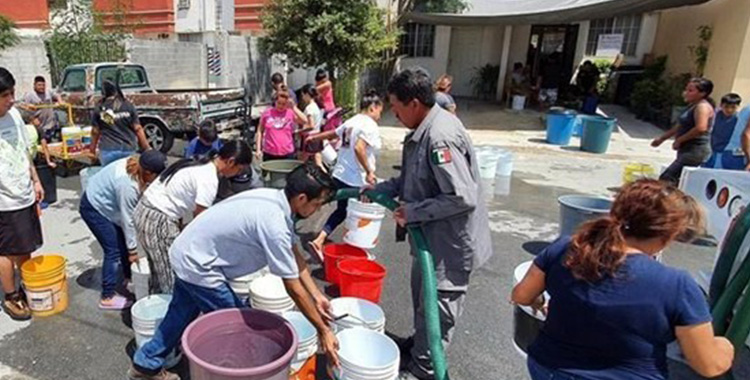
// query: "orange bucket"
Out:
[361,278]
[333,253]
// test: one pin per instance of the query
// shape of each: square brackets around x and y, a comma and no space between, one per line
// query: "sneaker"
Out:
[406,375]
[116,302]
[134,374]
[17,308]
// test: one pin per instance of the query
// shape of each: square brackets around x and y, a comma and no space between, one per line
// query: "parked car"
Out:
[164,114]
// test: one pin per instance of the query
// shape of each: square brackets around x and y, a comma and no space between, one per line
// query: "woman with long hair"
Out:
[107,208]
[325,88]
[274,139]
[692,140]
[117,132]
[355,166]
[184,190]
[312,104]
[613,306]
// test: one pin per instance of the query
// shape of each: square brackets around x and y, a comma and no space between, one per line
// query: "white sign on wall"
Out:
[609,45]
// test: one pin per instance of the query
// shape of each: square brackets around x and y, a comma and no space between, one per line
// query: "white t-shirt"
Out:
[177,198]
[16,186]
[312,110]
[238,236]
[348,169]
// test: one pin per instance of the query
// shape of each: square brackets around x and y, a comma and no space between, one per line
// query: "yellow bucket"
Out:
[635,171]
[45,284]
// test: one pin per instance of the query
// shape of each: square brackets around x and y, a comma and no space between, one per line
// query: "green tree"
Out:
[8,36]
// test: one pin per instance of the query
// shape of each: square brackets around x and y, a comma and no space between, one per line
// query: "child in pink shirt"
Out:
[275,134]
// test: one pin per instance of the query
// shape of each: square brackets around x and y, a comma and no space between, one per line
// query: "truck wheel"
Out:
[157,134]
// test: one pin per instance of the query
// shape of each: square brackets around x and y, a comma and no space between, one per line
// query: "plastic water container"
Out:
[86,174]
[501,185]
[367,355]
[597,131]
[306,335]
[560,124]
[141,274]
[240,344]
[526,322]
[362,223]
[146,315]
[241,285]
[487,160]
[45,282]
[634,171]
[362,313]
[333,253]
[577,209]
[71,137]
[362,278]
[268,293]
[329,154]
[86,137]
[275,172]
[519,102]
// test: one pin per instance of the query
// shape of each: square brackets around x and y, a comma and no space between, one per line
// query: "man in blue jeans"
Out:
[238,236]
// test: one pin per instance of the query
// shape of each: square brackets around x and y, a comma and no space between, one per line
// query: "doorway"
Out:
[465,49]
[552,50]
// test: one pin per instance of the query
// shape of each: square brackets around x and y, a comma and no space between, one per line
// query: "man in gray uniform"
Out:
[439,191]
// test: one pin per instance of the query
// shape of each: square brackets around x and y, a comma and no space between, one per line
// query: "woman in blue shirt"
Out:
[613,307]
[107,206]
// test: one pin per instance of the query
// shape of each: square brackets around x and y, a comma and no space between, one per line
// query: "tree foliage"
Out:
[441,6]
[347,35]
[8,36]
[77,36]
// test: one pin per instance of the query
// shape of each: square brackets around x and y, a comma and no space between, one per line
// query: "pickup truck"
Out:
[164,114]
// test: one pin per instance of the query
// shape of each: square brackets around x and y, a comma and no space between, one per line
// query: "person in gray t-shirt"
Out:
[236,237]
[442,93]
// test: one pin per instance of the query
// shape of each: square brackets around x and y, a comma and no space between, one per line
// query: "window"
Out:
[183,4]
[130,77]
[628,26]
[75,81]
[418,40]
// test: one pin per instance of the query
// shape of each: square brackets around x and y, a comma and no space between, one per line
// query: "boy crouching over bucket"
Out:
[238,236]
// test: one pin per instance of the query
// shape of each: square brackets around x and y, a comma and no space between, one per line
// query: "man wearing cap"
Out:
[439,191]
[107,206]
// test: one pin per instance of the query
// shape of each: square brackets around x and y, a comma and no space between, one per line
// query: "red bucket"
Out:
[333,253]
[361,278]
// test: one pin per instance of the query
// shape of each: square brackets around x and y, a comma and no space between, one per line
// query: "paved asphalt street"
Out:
[86,343]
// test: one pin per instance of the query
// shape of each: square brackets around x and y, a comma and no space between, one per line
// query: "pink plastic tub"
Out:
[242,344]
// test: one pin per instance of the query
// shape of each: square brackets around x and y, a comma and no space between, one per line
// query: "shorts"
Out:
[548,95]
[20,231]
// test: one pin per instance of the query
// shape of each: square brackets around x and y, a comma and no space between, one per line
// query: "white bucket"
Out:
[71,137]
[487,158]
[86,137]
[268,293]
[307,335]
[146,316]
[504,167]
[329,154]
[519,102]
[362,313]
[362,224]
[502,185]
[141,274]
[241,285]
[86,174]
[367,355]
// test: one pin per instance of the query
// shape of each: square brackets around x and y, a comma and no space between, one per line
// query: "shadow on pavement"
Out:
[535,247]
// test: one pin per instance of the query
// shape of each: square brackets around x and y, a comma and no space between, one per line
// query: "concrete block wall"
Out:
[171,64]
[25,61]
[238,61]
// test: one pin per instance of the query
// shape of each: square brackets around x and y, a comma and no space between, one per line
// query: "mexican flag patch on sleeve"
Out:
[441,156]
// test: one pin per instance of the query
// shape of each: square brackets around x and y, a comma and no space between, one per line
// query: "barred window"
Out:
[628,26]
[418,40]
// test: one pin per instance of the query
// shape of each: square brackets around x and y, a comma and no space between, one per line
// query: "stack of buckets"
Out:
[366,355]
[146,315]
[304,363]
[495,170]
[140,275]
[45,284]
[268,293]
[351,269]
[358,313]
[241,285]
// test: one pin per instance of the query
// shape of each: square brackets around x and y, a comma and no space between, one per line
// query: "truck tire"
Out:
[157,134]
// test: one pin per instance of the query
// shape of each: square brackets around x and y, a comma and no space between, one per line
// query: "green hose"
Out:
[429,282]
[720,277]
[739,329]
[724,307]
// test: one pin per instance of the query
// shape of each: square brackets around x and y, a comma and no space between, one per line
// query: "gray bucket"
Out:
[577,209]
[275,172]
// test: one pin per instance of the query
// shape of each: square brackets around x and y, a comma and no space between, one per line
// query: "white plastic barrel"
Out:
[140,275]
[268,293]
[146,316]
[329,154]
[307,335]
[362,224]
[519,102]
[361,313]
[367,355]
